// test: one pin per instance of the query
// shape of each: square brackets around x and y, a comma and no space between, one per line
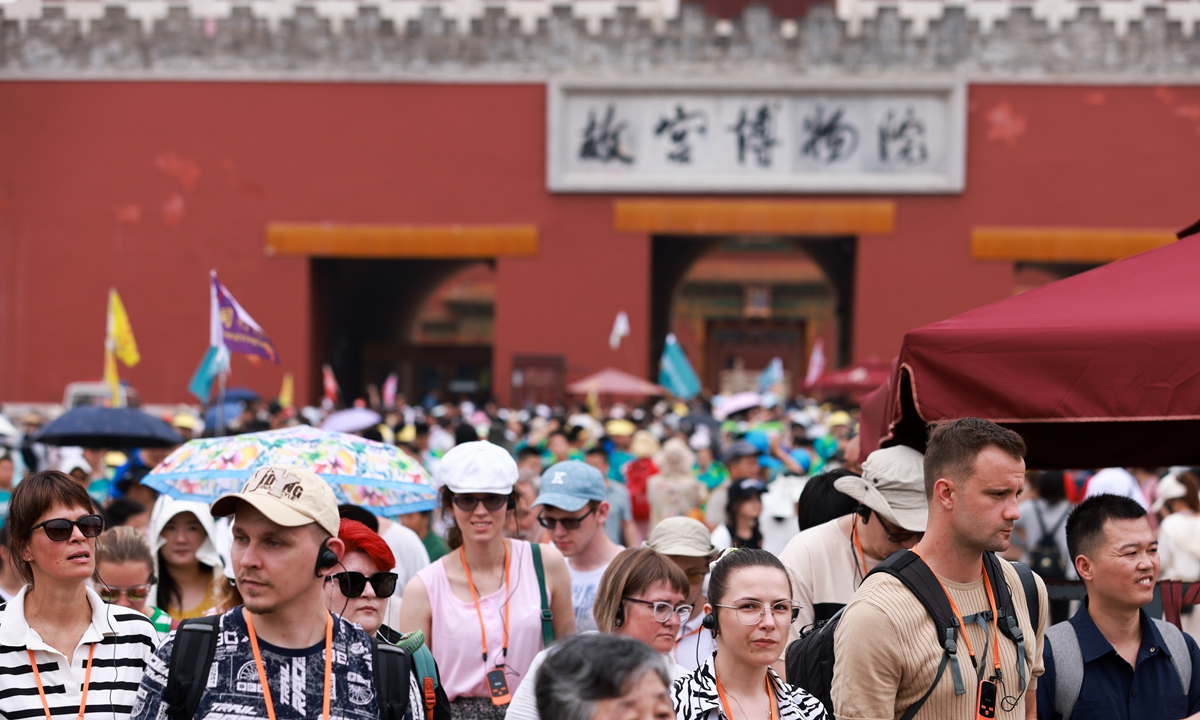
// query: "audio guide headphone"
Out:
[864,512]
[710,623]
[326,558]
[620,618]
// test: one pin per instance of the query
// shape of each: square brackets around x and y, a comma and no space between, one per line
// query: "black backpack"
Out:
[1045,557]
[196,646]
[810,658]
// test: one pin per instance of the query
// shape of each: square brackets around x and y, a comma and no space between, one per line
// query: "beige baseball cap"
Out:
[288,496]
[681,536]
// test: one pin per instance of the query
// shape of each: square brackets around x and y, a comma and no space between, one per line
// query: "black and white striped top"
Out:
[125,640]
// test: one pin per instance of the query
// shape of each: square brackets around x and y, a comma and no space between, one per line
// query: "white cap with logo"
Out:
[288,496]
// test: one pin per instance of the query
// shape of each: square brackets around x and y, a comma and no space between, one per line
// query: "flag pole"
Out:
[220,405]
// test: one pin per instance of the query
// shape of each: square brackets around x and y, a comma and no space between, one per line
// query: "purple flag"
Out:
[238,330]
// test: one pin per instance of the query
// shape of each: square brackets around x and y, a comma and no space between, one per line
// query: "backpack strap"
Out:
[547,616]
[1038,514]
[191,659]
[1180,657]
[1007,620]
[391,667]
[908,567]
[1068,667]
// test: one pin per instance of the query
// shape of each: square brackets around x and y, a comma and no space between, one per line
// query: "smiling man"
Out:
[1111,660]
[573,511]
[887,659]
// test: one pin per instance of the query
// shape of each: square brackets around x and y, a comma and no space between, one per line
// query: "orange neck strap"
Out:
[987,583]
[479,611]
[87,681]
[772,712]
[262,670]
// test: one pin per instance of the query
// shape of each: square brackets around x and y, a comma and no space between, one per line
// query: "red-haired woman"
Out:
[360,590]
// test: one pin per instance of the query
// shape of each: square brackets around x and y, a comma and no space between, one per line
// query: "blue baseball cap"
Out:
[570,485]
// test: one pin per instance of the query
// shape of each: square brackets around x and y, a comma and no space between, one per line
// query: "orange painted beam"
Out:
[401,241]
[1064,245]
[755,217]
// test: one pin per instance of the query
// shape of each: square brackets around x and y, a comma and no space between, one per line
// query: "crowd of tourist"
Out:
[733,560]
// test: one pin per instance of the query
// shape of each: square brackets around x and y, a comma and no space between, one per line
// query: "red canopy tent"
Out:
[1096,370]
[855,380]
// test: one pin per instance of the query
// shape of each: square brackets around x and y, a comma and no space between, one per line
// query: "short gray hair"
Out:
[589,668]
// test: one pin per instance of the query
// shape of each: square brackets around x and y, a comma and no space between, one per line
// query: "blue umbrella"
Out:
[240,394]
[103,427]
[232,411]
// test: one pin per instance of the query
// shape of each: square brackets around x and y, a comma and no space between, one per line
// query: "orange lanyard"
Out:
[87,680]
[774,711]
[479,611]
[958,616]
[858,546]
[262,670]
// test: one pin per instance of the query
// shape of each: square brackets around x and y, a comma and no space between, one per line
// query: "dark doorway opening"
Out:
[764,295]
[373,317]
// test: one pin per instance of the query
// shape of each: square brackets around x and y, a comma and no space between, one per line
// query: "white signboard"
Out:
[741,138]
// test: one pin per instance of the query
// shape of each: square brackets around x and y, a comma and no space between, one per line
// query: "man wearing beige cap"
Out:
[281,655]
[828,562]
[689,545]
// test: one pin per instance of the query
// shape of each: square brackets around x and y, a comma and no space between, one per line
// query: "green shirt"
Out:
[435,546]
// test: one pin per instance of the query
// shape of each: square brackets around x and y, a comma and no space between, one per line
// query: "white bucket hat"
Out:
[893,485]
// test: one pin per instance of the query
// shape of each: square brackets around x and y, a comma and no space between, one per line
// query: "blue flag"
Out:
[771,376]
[210,367]
[676,373]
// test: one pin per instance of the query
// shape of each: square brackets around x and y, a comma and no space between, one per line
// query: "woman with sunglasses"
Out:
[479,607]
[643,595]
[749,611]
[190,572]
[364,580]
[125,574]
[66,648]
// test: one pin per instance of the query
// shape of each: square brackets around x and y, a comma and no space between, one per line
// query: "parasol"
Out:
[611,381]
[361,472]
[104,427]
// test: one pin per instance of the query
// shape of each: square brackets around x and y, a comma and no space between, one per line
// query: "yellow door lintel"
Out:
[755,217]
[1064,245]
[401,241]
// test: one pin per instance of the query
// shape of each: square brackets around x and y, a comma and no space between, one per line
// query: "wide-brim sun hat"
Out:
[893,485]
[681,536]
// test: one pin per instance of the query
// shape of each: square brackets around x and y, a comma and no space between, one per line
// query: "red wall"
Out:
[145,186]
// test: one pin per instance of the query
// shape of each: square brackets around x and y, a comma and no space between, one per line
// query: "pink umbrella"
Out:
[611,381]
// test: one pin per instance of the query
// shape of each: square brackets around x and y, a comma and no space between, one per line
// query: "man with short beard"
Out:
[284,544]
[887,657]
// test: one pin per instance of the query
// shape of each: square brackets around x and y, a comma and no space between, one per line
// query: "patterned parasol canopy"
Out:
[378,477]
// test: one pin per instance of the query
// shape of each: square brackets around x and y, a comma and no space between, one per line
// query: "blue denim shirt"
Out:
[1112,690]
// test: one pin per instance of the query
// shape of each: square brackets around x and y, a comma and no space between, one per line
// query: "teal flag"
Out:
[676,373]
[201,384]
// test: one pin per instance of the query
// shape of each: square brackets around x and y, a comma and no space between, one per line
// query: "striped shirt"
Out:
[124,640]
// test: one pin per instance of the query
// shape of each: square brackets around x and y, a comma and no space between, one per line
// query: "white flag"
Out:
[816,363]
[620,329]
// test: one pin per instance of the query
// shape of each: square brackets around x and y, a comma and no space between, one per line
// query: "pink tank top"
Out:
[455,628]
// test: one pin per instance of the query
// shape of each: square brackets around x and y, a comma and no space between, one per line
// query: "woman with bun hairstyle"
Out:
[479,607]
[749,611]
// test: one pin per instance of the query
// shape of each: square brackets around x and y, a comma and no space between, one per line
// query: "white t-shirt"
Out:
[695,644]
[411,557]
[584,585]
[524,700]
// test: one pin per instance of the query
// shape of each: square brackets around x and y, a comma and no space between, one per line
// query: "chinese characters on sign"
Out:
[872,140]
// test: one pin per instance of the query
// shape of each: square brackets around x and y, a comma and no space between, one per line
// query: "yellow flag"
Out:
[120,332]
[110,377]
[285,392]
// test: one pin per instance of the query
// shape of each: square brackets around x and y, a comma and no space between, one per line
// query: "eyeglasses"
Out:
[664,610]
[491,501]
[750,612]
[567,523]
[352,584]
[136,594]
[61,529]
[898,536]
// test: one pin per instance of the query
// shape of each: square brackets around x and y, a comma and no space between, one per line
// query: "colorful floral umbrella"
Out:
[361,472]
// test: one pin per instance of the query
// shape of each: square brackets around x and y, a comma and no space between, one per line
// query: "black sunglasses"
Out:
[898,536]
[491,501]
[352,584]
[60,529]
[567,523]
